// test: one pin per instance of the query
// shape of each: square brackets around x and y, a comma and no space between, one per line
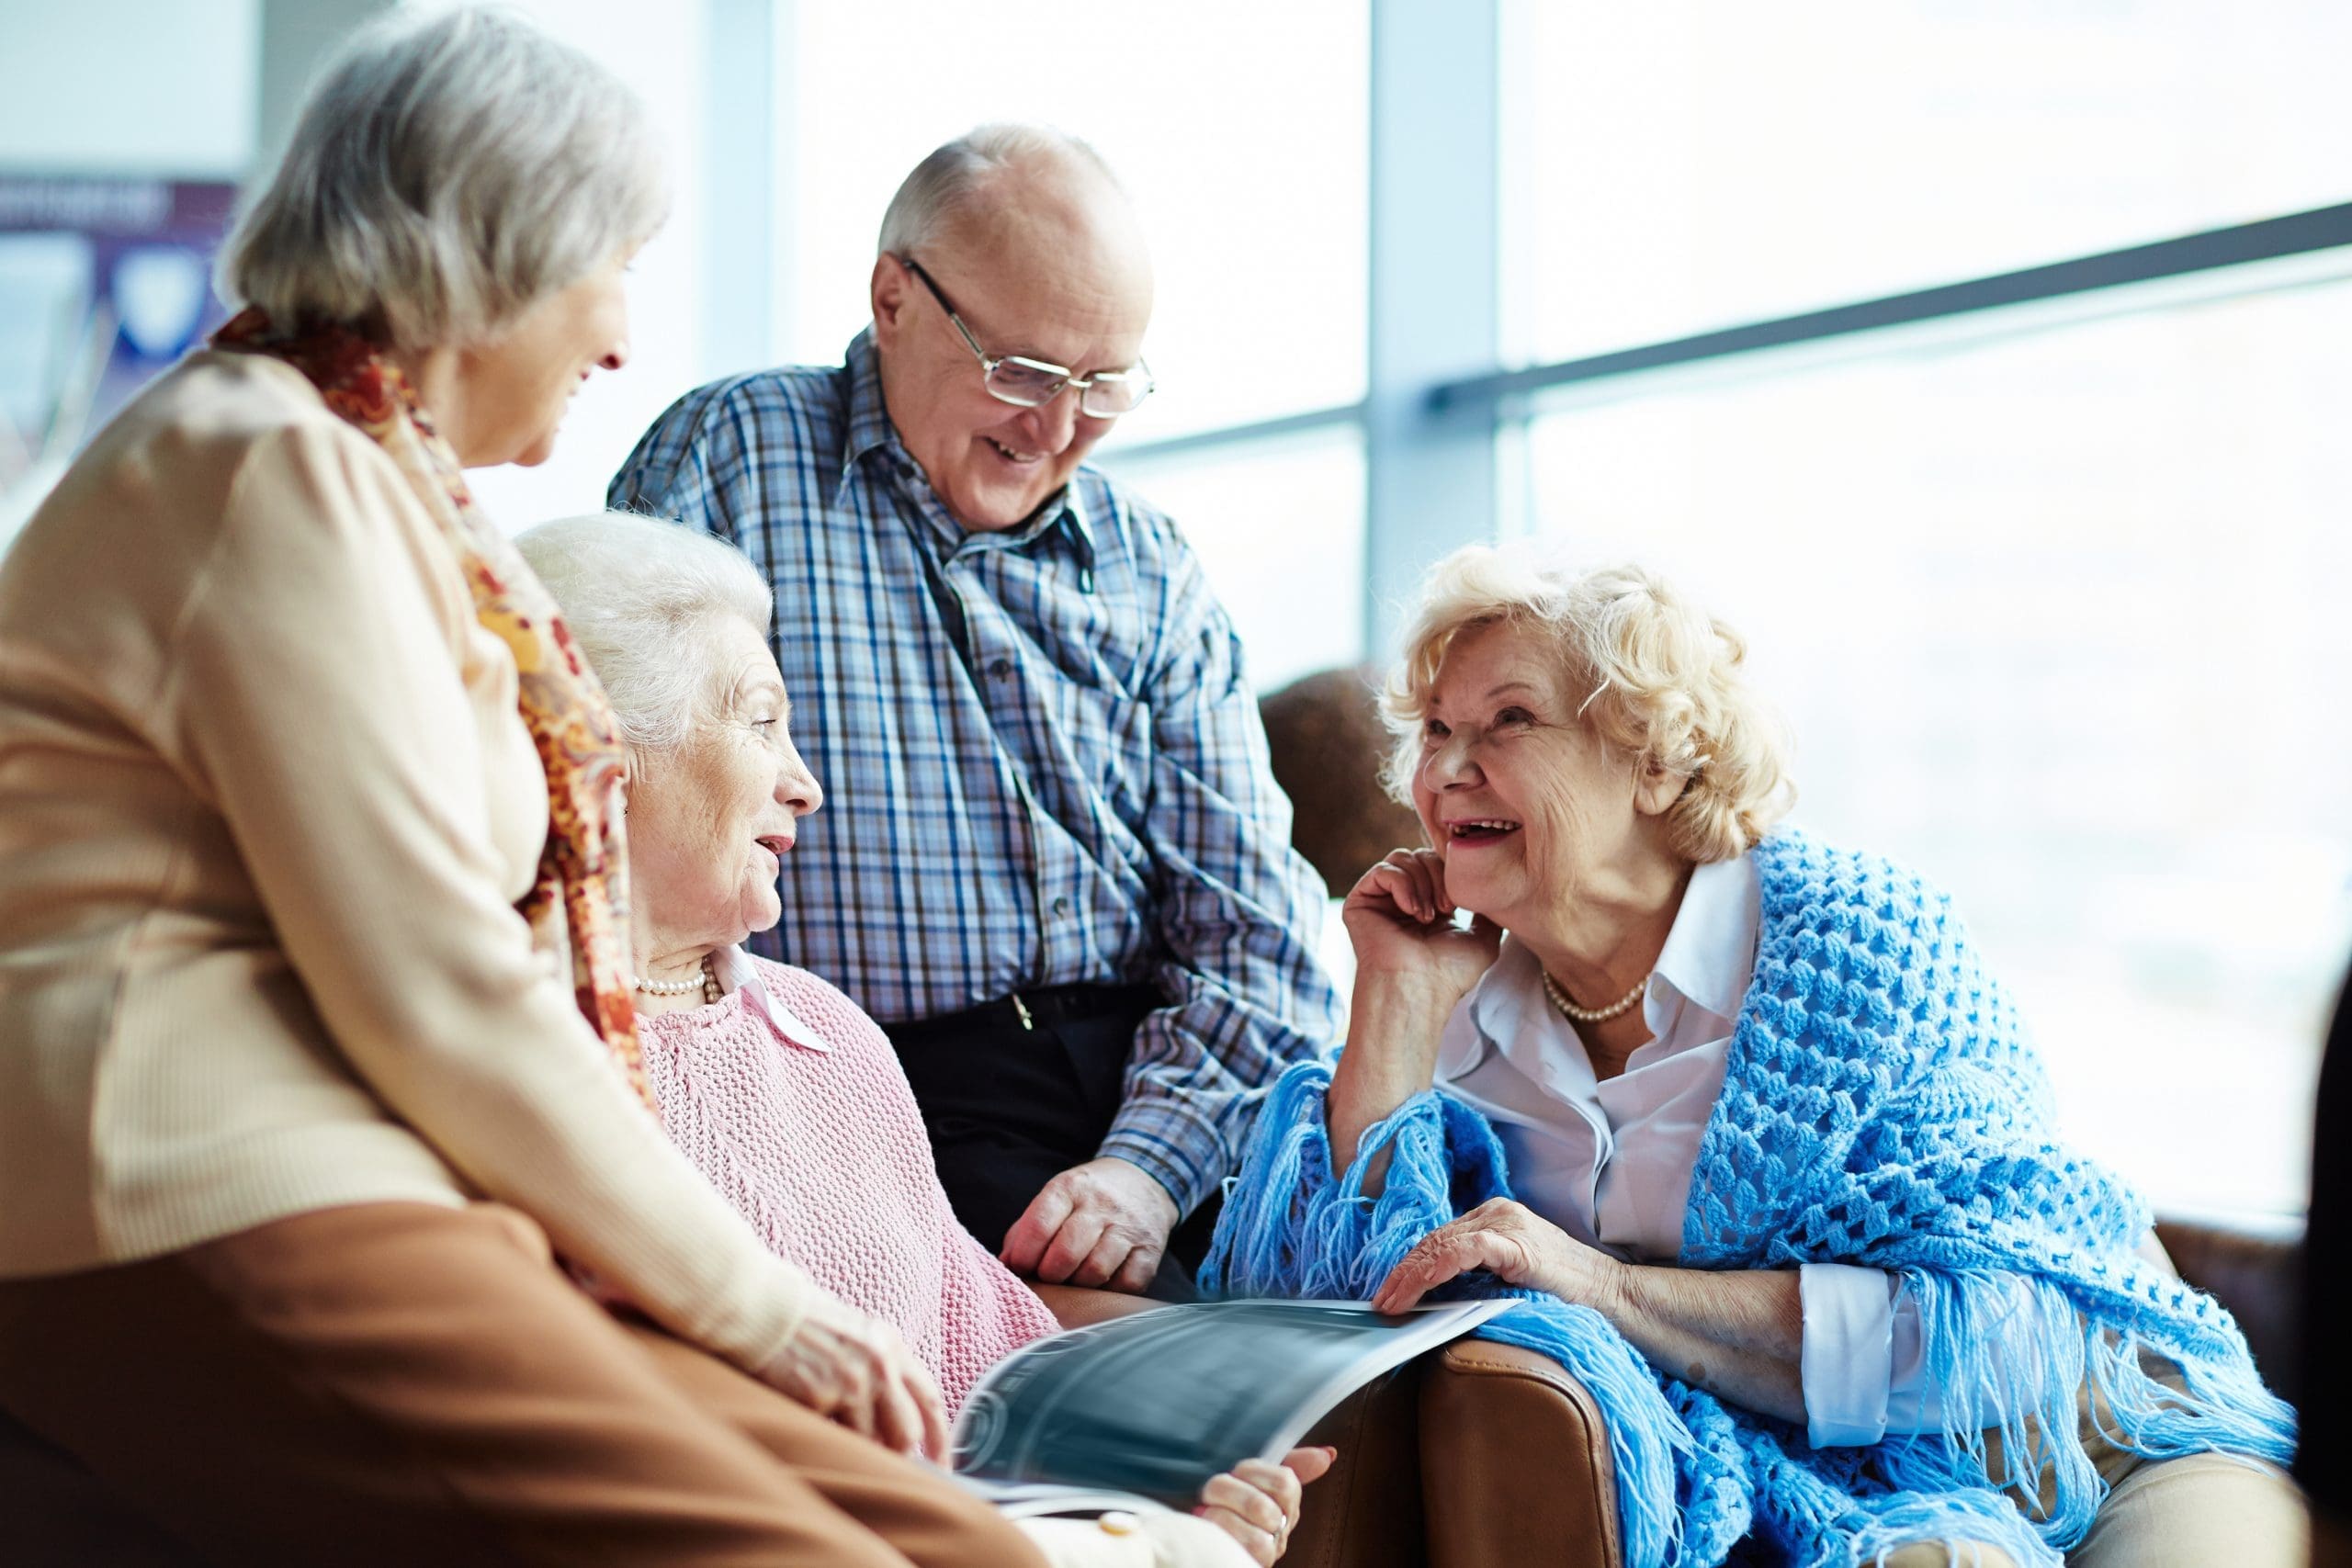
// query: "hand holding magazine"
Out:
[1149,1407]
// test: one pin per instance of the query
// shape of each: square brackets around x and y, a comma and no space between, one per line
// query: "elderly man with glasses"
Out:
[1058,867]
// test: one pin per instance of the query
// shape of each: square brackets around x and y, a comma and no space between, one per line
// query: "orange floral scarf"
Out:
[577,906]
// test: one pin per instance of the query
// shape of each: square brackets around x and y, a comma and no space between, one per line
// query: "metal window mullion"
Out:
[2312,234]
[1435,243]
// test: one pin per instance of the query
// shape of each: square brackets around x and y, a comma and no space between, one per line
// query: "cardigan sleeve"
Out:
[319,703]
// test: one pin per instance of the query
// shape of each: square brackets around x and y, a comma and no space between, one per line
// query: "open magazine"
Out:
[1145,1409]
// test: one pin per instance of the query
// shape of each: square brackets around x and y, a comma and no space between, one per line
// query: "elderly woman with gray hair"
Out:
[1747,1121]
[787,1096]
[313,961]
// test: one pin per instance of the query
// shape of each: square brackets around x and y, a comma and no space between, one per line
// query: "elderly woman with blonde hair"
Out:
[1746,1120]
[319,1050]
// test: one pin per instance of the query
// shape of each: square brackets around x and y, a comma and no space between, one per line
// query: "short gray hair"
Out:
[639,596]
[955,174]
[446,173]
[1663,684]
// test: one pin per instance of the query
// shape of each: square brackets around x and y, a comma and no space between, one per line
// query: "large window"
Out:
[1681,167]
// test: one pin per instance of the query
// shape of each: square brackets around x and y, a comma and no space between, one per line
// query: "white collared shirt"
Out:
[1610,1162]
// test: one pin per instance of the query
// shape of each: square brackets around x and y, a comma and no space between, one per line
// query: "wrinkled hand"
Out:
[1257,1504]
[1401,922]
[857,1371]
[1104,1223]
[1516,1245]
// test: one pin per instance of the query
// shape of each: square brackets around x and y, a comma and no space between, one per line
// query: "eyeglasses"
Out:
[1032,383]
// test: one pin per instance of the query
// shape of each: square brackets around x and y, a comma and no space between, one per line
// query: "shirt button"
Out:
[1061,908]
[1001,669]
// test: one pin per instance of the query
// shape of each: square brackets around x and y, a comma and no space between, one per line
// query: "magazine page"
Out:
[1157,1402]
[1025,1499]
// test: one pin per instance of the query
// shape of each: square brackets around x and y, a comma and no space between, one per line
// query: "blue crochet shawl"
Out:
[1882,1106]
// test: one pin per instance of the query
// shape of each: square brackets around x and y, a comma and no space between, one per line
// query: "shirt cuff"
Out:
[1181,1154]
[1849,1352]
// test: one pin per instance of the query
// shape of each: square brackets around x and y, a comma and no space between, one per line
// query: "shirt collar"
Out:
[870,432]
[1507,1011]
[869,417]
[1708,960]
[738,976]
[1709,955]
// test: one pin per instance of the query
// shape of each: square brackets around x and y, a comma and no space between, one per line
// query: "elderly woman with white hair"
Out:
[785,1095]
[313,961]
[1750,1123]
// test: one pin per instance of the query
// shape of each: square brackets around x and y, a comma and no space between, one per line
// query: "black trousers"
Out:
[1013,1095]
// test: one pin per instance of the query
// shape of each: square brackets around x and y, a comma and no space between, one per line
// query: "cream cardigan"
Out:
[265,804]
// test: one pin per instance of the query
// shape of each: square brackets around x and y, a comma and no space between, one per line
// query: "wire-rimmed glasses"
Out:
[1031,383]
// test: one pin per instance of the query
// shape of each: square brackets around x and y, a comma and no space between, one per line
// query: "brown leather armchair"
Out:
[2258,1275]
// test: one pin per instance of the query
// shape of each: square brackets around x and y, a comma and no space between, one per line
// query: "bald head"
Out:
[1026,235]
[1064,233]
[990,167]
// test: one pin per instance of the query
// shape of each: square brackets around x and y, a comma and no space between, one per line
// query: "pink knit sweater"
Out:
[792,1103]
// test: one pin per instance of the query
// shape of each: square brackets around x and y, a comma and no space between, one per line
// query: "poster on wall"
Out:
[104,283]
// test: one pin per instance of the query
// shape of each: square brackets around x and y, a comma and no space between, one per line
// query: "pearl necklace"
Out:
[1592,1015]
[700,983]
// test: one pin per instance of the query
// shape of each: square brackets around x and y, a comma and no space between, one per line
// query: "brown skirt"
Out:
[400,1384]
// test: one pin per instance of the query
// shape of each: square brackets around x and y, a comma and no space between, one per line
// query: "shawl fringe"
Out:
[1693,1476]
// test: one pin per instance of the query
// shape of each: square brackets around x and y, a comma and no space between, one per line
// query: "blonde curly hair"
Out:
[1663,680]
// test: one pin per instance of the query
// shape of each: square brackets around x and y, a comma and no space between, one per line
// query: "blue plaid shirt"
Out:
[1041,761]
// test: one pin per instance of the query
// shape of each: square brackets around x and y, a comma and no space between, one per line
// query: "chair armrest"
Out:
[1366,1511]
[1515,1463]
[2258,1275]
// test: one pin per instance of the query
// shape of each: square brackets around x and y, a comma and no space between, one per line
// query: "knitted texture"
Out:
[824,1152]
[1882,1106]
